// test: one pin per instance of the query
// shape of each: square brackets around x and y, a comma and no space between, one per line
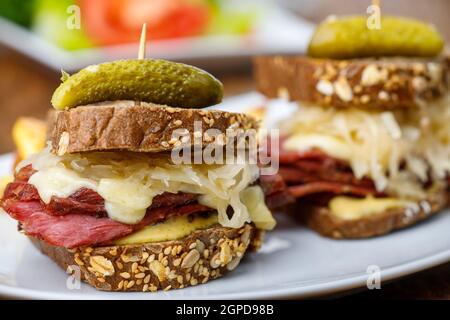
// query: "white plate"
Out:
[293,262]
[278,31]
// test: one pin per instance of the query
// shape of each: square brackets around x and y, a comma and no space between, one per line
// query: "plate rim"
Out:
[308,291]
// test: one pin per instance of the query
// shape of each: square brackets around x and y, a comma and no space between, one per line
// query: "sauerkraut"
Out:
[399,150]
[129,181]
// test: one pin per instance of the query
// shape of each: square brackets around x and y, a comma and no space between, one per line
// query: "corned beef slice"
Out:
[74,230]
[81,218]
[312,172]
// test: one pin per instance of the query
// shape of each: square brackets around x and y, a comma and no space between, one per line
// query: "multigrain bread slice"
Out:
[323,221]
[126,126]
[386,83]
[202,256]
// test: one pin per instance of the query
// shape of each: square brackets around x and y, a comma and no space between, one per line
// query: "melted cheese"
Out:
[331,145]
[59,182]
[129,182]
[171,229]
[354,208]
[253,198]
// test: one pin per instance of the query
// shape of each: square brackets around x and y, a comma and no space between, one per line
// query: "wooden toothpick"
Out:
[142,47]
[376,3]
[143,42]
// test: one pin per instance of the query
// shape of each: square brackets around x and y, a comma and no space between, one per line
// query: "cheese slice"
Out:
[59,182]
[330,145]
[253,198]
[171,229]
[355,208]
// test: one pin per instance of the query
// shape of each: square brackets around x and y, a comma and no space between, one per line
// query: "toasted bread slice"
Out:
[362,83]
[202,256]
[323,221]
[147,127]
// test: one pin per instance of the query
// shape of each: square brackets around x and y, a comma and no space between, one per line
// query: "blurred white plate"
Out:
[279,31]
[293,262]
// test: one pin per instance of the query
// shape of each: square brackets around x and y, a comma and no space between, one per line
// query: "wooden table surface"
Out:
[26,89]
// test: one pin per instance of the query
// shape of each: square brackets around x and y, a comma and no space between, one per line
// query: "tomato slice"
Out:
[119,21]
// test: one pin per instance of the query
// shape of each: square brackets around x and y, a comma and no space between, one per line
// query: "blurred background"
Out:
[40,37]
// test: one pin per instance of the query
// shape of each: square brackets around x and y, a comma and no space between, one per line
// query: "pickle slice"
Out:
[157,81]
[349,37]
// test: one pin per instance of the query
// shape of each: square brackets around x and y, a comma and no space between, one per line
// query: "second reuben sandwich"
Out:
[368,150]
[107,197]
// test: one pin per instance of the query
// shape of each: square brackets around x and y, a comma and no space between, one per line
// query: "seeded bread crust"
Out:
[362,83]
[323,221]
[202,256]
[148,127]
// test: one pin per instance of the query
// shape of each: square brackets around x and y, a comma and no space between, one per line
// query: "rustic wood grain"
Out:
[433,284]
[25,90]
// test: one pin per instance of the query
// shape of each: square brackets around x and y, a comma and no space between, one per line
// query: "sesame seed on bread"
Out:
[386,83]
[201,256]
[126,126]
